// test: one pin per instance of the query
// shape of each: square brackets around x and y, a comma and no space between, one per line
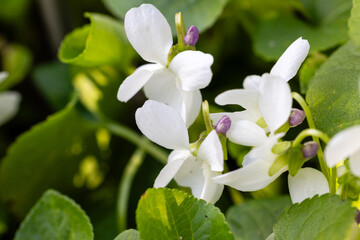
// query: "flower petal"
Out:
[307,183]
[275,101]
[191,106]
[211,191]
[252,177]
[149,33]
[175,161]
[248,99]
[193,69]
[246,133]
[342,145]
[252,82]
[133,83]
[9,105]
[211,151]
[290,61]
[3,76]
[235,116]
[354,162]
[162,125]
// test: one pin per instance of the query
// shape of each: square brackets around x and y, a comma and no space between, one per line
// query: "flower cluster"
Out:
[172,82]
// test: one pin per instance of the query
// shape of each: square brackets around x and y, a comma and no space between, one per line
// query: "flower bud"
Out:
[192,36]
[297,116]
[223,125]
[310,149]
[357,217]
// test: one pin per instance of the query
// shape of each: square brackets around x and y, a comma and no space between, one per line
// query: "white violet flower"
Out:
[9,102]
[177,83]
[164,126]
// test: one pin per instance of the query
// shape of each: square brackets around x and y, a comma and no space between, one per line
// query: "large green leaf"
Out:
[254,219]
[46,156]
[172,214]
[354,22]
[328,28]
[202,13]
[325,217]
[333,94]
[102,42]
[130,234]
[55,216]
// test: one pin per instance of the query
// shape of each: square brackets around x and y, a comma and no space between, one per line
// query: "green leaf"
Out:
[201,13]
[55,216]
[328,29]
[11,10]
[325,217]
[354,22]
[333,94]
[308,69]
[254,219]
[130,234]
[296,160]
[102,42]
[46,156]
[171,214]
[17,61]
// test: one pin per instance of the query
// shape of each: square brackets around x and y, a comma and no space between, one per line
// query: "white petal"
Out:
[191,106]
[307,183]
[3,76]
[211,191]
[162,125]
[290,61]
[270,237]
[248,99]
[211,151]
[235,116]
[193,69]
[149,33]
[252,177]
[9,105]
[354,162]
[342,145]
[191,175]
[252,82]
[275,101]
[246,133]
[133,83]
[175,161]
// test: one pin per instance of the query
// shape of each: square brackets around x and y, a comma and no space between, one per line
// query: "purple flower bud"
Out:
[297,116]
[357,217]
[310,149]
[192,36]
[223,125]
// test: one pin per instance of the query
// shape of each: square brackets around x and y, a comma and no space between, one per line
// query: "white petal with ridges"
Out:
[149,33]
[162,125]
[354,163]
[252,177]
[275,101]
[290,61]
[235,116]
[246,133]
[193,69]
[248,99]
[342,145]
[307,183]
[191,106]
[211,151]
[9,105]
[252,82]
[212,191]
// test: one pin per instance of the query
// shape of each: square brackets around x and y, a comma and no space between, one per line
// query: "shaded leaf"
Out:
[354,23]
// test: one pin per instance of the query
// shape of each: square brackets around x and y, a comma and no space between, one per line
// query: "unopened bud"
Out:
[297,116]
[310,149]
[357,217]
[192,36]
[223,125]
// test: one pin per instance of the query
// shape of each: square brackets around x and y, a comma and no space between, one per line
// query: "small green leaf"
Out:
[333,94]
[102,42]
[130,234]
[296,160]
[325,217]
[55,216]
[308,69]
[254,219]
[171,214]
[354,22]
[201,13]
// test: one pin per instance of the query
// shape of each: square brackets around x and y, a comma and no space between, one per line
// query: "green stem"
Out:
[333,180]
[206,115]
[125,186]
[320,154]
[310,132]
[180,28]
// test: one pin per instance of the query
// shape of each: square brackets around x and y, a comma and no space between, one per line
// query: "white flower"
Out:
[267,96]
[178,83]
[9,102]
[164,126]
[307,183]
[345,144]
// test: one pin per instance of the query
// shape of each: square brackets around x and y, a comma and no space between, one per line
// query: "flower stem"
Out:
[180,28]
[310,132]
[206,116]
[320,154]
